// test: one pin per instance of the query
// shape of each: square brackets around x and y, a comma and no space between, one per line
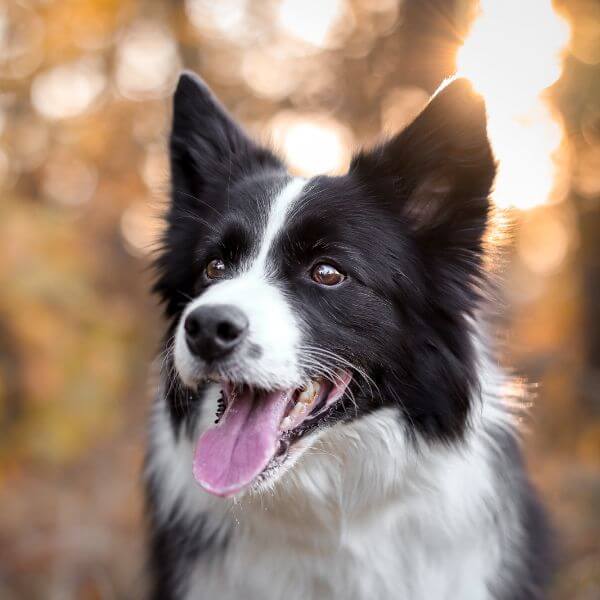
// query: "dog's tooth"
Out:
[309,393]
[302,406]
[316,390]
[303,398]
[299,410]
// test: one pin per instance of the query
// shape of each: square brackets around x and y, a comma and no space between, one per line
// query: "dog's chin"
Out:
[259,433]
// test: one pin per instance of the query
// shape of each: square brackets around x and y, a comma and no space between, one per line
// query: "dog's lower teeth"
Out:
[310,393]
[299,410]
[302,406]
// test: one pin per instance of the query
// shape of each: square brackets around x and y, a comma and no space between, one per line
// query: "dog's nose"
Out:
[213,331]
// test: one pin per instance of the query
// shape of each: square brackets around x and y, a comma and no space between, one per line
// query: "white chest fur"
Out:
[363,515]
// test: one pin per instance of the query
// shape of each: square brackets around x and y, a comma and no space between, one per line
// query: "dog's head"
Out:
[314,302]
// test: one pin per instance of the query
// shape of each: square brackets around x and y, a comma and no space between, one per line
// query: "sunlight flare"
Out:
[512,54]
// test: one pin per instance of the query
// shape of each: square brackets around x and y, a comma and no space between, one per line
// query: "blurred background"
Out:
[85,90]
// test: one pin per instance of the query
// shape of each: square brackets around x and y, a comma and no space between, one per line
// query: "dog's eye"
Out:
[215,269]
[325,274]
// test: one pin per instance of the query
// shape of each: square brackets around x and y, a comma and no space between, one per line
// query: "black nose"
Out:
[213,331]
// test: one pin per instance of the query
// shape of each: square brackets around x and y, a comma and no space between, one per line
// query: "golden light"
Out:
[155,167]
[141,227]
[311,144]
[4,169]
[225,17]
[309,20]
[401,105]
[512,54]
[21,39]
[147,61]
[68,90]
[545,240]
[67,180]
[29,143]
[268,72]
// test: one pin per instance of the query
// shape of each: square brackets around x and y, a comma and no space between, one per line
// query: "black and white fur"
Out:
[413,486]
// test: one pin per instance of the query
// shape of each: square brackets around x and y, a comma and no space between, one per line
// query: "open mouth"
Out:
[255,429]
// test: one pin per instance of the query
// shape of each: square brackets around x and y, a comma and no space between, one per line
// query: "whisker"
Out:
[323,355]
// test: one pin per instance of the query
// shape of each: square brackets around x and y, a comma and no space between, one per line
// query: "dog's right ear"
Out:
[207,146]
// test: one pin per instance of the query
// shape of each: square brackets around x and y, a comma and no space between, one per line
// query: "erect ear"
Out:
[207,146]
[437,175]
[208,152]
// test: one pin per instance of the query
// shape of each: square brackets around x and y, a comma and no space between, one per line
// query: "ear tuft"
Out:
[191,85]
[460,94]
[450,131]
[460,114]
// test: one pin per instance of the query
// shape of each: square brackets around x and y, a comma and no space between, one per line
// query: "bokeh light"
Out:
[585,41]
[4,169]
[311,144]
[28,142]
[269,72]
[544,241]
[21,39]
[67,180]
[223,18]
[512,54]
[147,61]
[310,20]
[68,90]
[140,227]
[400,106]
[155,168]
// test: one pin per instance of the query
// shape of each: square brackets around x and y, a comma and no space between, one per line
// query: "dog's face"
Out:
[314,302]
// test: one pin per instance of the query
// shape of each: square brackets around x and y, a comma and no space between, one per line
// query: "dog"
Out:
[331,422]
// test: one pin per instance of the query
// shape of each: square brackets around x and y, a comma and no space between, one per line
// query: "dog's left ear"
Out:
[208,148]
[437,175]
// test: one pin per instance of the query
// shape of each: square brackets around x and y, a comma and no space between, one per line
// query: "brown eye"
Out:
[215,269]
[325,274]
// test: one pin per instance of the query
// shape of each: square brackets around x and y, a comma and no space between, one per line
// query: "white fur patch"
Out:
[363,514]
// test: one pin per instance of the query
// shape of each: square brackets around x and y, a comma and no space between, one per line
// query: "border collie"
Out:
[330,423]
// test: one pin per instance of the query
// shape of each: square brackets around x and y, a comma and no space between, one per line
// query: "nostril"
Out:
[191,325]
[228,331]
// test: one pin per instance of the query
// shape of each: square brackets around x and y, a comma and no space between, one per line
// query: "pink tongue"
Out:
[233,452]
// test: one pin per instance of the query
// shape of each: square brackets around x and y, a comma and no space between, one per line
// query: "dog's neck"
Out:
[347,475]
[372,471]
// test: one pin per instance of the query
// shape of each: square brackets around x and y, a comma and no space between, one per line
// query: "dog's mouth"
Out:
[255,429]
